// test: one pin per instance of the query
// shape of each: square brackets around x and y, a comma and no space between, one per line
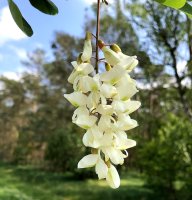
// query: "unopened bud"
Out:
[101,44]
[88,36]
[79,60]
[107,66]
[115,48]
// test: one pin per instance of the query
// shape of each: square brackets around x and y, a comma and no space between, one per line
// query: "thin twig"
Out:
[93,35]
[101,59]
[97,36]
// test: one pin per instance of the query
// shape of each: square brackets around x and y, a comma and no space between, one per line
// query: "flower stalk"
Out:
[97,36]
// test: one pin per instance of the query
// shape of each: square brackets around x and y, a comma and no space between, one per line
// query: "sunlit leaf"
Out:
[19,19]
[177,4]
[45,6]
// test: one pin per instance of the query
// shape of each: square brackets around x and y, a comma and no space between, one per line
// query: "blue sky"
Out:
[14,45]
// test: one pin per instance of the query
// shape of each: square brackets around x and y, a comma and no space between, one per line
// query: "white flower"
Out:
[125,106]
[76,99]
[122,142]
[107,139]
[85,84]
[105,109]
[115,155]
[87,49]
[108,90]
[113,75]
[126,88]
[101,169]
[92,160]
[88,161]
[92,138]
[81,69]
[127,62]
[132,106]
[111,57]
[113,177]
[82,118]
[105,123]
[125,123]
[94,99]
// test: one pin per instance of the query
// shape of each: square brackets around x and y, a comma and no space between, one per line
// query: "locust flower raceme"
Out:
[103,107]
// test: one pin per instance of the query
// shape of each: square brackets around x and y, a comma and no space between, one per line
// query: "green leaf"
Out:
[19,20]
[187,8]
[45,6]
[161,1]
[177,4]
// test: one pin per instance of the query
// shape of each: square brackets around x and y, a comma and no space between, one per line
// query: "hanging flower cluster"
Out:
[104,104]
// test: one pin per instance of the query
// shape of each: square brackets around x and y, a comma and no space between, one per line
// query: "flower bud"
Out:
[115,48]
[87,49]
[88,36]
[107,66]
[101,44]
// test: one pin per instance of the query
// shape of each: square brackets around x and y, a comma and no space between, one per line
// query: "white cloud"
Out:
[8,28]
[20,52]
[95,1]
[12,75]
[89,1]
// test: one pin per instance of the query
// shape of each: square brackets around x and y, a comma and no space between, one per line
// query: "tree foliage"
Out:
[35,119]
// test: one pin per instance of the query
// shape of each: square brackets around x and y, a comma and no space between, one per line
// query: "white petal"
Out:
[79,70]
[107,139]
[104,123]
[125,123]
[128,144]
[127,62]
[132,106]
[88,161]
[93,99]
[75,64]
[88,139]
[113,75]
[105,109]
[125,92]
[101,169]
[122,142]
[87,51]
[126,88]
[115,155]
[113,178]
[85,121]
[111,57]
[92,138]
[76,98]
[73,76]
[108,90]
[85,68]
[85,84]
[82,118]
[119,106]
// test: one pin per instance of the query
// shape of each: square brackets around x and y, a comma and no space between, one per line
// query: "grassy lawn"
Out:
[25,183]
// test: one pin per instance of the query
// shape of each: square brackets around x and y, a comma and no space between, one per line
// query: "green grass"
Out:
[26,183]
